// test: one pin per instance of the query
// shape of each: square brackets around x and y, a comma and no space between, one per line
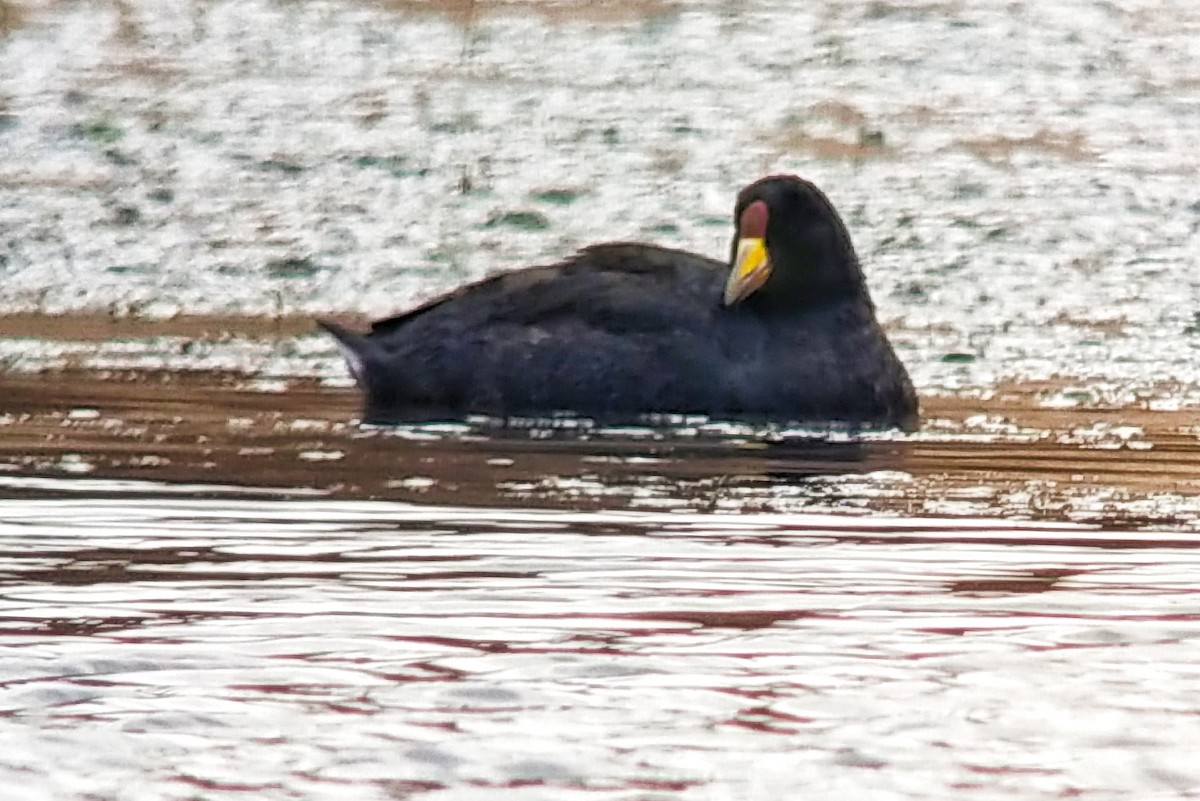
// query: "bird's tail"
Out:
[354,347]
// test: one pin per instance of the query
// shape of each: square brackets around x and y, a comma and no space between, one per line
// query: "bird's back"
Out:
[610,287]
[590,334]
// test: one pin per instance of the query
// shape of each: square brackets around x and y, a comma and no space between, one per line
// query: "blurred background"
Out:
[1019,178]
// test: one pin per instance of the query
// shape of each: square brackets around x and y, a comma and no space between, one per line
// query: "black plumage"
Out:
[621,330]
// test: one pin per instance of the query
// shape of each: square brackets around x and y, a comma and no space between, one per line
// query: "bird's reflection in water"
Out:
[704,466]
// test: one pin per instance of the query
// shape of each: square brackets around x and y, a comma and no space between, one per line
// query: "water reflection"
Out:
[323,648]
[207,434]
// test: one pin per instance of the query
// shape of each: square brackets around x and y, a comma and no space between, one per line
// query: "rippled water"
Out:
[1019,177]
[214,585]
[173,648]
[196,602]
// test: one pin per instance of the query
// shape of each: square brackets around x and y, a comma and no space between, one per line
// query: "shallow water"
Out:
[1007,456]
[1019,179]
[208,590]
[213,584]
[168,647]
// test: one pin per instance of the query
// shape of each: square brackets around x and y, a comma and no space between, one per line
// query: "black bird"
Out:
[785,332]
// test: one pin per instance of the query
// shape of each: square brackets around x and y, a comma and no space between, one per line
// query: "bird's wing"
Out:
[617,287]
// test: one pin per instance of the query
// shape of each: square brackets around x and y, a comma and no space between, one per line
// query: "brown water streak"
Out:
[215,428]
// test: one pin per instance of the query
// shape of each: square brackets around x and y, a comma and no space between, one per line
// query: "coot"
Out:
[784,332]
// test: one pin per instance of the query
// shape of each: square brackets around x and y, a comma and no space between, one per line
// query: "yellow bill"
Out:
[751,268]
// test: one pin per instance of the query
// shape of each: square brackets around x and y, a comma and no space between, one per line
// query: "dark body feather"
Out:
[621,330]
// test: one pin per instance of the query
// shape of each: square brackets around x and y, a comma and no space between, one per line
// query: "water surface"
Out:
[1018,178]
[311,649]
[215,585]
[208,590]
